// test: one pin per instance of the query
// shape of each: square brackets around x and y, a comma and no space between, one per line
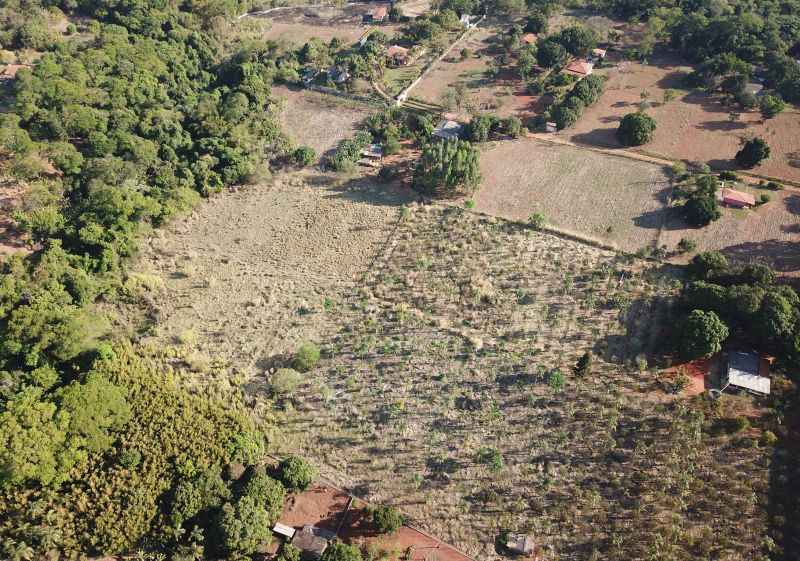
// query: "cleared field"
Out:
[694,127]
[318,120]
[617,201]
[448,392]
[297,25]
[504,94]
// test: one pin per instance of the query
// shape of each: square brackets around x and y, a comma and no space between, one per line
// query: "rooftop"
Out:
[529,38]
[448,129]
[743,371]
[737,197]
[580,67]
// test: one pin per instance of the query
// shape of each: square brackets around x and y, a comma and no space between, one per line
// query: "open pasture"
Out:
[694,126]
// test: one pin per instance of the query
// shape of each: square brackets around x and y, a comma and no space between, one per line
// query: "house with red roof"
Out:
[736,199]
[580,68]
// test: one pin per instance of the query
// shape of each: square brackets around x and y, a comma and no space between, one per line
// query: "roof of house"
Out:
[520,543]
[379,12]
[599,52]
[743,371]
[737,197]
[529,38]
[283,530]
[311,540]
[580,67]
[395,50]
[10,71]
[753,88]
[448,129]
[373,150]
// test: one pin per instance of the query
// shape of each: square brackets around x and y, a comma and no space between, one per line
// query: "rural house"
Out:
[312,542]
[529,38]
[598,54]
[10,71]
[448,130]
[736,199]
[579,68]
[376,15]
[754,88]
[746,371]
[373,152]
[284,530]
[398,55]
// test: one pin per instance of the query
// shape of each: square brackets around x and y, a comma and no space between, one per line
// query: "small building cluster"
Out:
[310,540]
[746,371]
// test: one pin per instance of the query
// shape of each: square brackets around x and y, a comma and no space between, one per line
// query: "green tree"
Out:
[708,265]
[296,473]
[702,334]
[447,167]
[267,492]
[752,153]
[197,494]
[386,519]
[636,129]
[550,53]
[338,551]
[304,156]
[285,381]
[244,526]
[701,209]
[584,365]
[578,40]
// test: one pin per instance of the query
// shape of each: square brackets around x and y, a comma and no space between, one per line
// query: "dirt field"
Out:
[318,120]
[504,95]
[693,127]
[297,25]
[617,201]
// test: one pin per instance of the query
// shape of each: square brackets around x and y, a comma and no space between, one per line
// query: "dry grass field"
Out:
[694,127]
[442,393]
[318,120]
[618,201]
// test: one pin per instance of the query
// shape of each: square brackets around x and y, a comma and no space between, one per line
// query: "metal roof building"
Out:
[743,371]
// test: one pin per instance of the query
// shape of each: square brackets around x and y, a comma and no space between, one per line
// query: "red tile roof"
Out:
[529,38]
[396,50]
[380,12]
[734,197]
[580,67]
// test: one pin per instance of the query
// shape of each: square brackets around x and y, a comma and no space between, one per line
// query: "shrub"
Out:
[296,473]
[636,129]
[771,105]
[386,519]
[537,220]
[584,365]
[556,380]
[285,381]
[741,423]
[289,552]
[306,357]
[304,156]
[707,265]
[491,458]
[685,245]
[267,492]
[728,175]
[764,198]
[244,526]
[701,209]
[769,438]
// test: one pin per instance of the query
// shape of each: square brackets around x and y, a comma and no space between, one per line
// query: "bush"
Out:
[338,551]
[244,526]
[769,438]
[685,245]
[296,473]
[764,198]
[556,380]
[708,265]
[770,106]
[306,357]
[491,458]
[537,220]
[636,129]
[267,492]
[728,176]
[304,156]
[701,209]
[386,519]
[584,365]
[289,552]
[285,381]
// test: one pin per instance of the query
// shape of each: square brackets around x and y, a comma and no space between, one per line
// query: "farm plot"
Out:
[503,94]
[318,120]
[694,126]
[620,202]
[449,392]
[295,26]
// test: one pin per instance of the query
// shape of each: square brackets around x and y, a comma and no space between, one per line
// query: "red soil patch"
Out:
[325,507]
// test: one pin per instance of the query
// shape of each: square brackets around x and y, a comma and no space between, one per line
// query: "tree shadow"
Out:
[606,138]
[792,203]
[662,218]
[672,80]
[781,255]
[722,125]
[721,164]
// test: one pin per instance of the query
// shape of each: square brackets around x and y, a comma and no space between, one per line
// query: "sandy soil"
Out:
[249,272]
[577,190]
[694,127]
[318,120]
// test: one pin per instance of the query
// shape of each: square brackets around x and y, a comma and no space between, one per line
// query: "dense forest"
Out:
[124,119]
